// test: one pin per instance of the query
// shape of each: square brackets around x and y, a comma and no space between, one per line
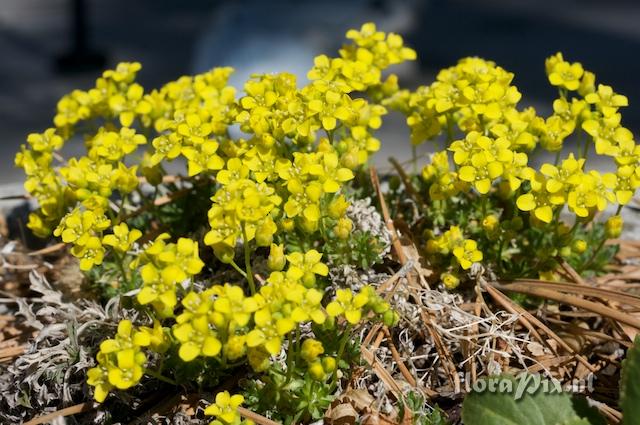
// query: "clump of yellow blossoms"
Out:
[485,200]
[225,410]
[271,162]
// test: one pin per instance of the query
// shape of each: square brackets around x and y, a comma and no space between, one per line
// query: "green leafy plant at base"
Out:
[414,405]
[630,385]
[535,405]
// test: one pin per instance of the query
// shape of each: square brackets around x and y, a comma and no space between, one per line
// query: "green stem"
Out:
[247,260]
[160,377]
[414,158]
[341,348]
[593,256]
[290,355]
[449,130]
[574,227]
[120,263]
[597,250]
[501,242]
[238,269]
[298,343]
[585,154]
[121,208]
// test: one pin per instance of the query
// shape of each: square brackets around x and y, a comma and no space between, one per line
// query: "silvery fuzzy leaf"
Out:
[25,311]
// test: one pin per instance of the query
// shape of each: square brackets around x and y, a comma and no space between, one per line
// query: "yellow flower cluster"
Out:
[477,98]
[452,244]
[83,229]
[121,360]
[42,182]
[282,178]
[482,160]
[225,410]
[163,266]
[472,93]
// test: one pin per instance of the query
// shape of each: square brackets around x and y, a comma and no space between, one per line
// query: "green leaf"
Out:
[630,385]
[528,400]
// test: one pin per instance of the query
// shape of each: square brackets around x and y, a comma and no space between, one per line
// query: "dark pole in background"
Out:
[80,57]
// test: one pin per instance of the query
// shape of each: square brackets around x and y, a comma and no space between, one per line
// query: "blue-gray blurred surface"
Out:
[172,38]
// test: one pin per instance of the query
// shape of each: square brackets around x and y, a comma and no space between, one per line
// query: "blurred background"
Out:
[50,47]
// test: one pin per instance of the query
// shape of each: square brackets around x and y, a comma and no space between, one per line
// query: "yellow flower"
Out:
[192,328]
[225,408]
[627,180]
[45,142]
[122,238]
[269,330]
[158,338]
[538,200]
[348,304]
[568,175]
[591,193]
[232,309]
[606,100]
[308,307]
[564,74]
[98,377]
[467,253]
[90,253]
[129,104]
[113,146]
[306,266]
[120,361]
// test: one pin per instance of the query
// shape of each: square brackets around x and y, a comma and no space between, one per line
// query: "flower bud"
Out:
[450,280]
[329,364]
[224,253]
[309,280]
[277,259]
[235,347]
[316,371]
[390,318]
[579,246]
[613,226]
[287,224]
[311,349]
[350,160]
[309,226]
[264,233]
[258,359]
[490,223]
[549,275]
[379,306]
[394,182]
[343,228]
[329,323]
[338,207]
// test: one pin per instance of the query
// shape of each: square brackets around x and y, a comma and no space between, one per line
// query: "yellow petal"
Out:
[544,214]
[211,346]
[189,351]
